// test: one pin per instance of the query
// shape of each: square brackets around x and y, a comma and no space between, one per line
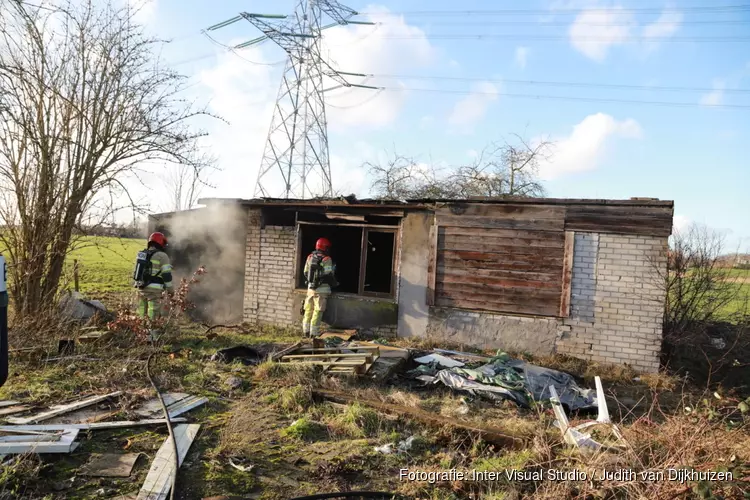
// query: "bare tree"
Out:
[697,286]
[84,104]
[507,169]
[184,185]
[401,177]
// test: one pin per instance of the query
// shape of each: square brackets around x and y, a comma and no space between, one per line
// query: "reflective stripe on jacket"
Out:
[327,269]
[161,269]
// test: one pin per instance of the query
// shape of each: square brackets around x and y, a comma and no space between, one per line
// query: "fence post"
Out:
[75,275]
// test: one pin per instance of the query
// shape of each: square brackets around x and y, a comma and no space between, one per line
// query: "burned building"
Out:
[581,277]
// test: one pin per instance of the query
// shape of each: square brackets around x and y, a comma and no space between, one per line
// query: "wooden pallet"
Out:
[334,359]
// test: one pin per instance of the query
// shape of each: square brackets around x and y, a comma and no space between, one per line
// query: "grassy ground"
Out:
[294,444]
[105,264]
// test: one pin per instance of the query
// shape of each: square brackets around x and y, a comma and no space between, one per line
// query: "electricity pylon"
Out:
[296,150]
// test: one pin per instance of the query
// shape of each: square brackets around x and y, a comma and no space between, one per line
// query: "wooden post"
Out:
[432,263]
[75,275]
[567,274]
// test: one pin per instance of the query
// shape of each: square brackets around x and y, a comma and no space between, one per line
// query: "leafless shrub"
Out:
[501,169]
[85,108]
[697,286]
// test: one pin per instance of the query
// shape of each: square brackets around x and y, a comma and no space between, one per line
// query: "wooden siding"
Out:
[500,258]
[637,220]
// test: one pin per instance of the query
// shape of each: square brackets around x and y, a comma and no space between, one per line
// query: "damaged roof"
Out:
[429,202]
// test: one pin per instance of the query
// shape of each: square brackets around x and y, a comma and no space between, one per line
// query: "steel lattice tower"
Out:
[296,150]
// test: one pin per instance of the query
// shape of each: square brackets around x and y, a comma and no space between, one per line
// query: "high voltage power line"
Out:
[490,12]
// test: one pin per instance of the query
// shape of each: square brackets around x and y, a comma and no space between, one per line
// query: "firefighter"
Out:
[153,277]
[320,275]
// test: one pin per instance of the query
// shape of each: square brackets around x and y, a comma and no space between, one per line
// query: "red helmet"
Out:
[158,238]
[323,245]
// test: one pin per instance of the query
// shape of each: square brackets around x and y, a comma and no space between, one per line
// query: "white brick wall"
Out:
[628,301]
[269,272]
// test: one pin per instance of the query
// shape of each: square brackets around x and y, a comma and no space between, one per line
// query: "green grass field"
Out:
[104,264]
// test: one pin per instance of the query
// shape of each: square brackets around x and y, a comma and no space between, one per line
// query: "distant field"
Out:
[104,264]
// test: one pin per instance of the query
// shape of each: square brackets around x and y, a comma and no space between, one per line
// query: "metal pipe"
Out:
[3,323]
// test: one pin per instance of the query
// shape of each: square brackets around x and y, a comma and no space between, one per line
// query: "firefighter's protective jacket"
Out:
[161,272]
[326,273]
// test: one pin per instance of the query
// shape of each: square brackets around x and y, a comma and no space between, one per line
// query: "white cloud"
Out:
[144,11]
[390,47]
[587,144]
[589,35]
[598,29]
[522,55]
[472,108]
[716,96]
[664,27]
[244,93]
[680,223]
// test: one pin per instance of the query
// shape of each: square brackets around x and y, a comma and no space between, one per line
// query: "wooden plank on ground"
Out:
[432,253]
[500,223]
[89,427]
[385,351]
[489,434]
[185,405]
[567,274]
[291,348]
[153,406]
[3,404]
[110,465]
[65,444]
[159,478]
[12,410]
[61,410]
[510,211]
[367,357]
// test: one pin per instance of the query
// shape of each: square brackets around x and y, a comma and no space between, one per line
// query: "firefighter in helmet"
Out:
[153,276]
[320,277]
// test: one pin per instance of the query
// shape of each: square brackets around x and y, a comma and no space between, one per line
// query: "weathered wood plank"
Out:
[500,249]
[554,258]
[460,241]
[540,309]
[497,223]
[63,409]
[481,232]
[88,427]
[432,264]
[497,295]
[617,228]
[447,263]
[567,274]
[500,274]
[575,210]
[159,479]
[553,283]
[514,211]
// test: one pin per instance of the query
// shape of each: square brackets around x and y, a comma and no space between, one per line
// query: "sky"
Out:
[640,98]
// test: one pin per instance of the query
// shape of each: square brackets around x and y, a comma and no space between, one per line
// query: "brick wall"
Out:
[269,273]
[628,301]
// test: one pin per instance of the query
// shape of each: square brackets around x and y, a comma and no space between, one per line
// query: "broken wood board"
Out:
[84,415]
[110,465]
[12,410]
[90,427]
[154,406]
[66,444]
[159,479]
[489,434]
[61,410]
[385,351]
[291,348]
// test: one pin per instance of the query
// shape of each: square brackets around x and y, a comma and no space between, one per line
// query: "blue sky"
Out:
[697,154]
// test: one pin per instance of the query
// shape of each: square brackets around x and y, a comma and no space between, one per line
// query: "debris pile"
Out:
[55,430]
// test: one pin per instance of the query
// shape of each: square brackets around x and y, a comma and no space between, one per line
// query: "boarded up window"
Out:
[502,258]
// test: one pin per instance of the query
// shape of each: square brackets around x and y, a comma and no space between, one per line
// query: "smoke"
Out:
[213,237]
